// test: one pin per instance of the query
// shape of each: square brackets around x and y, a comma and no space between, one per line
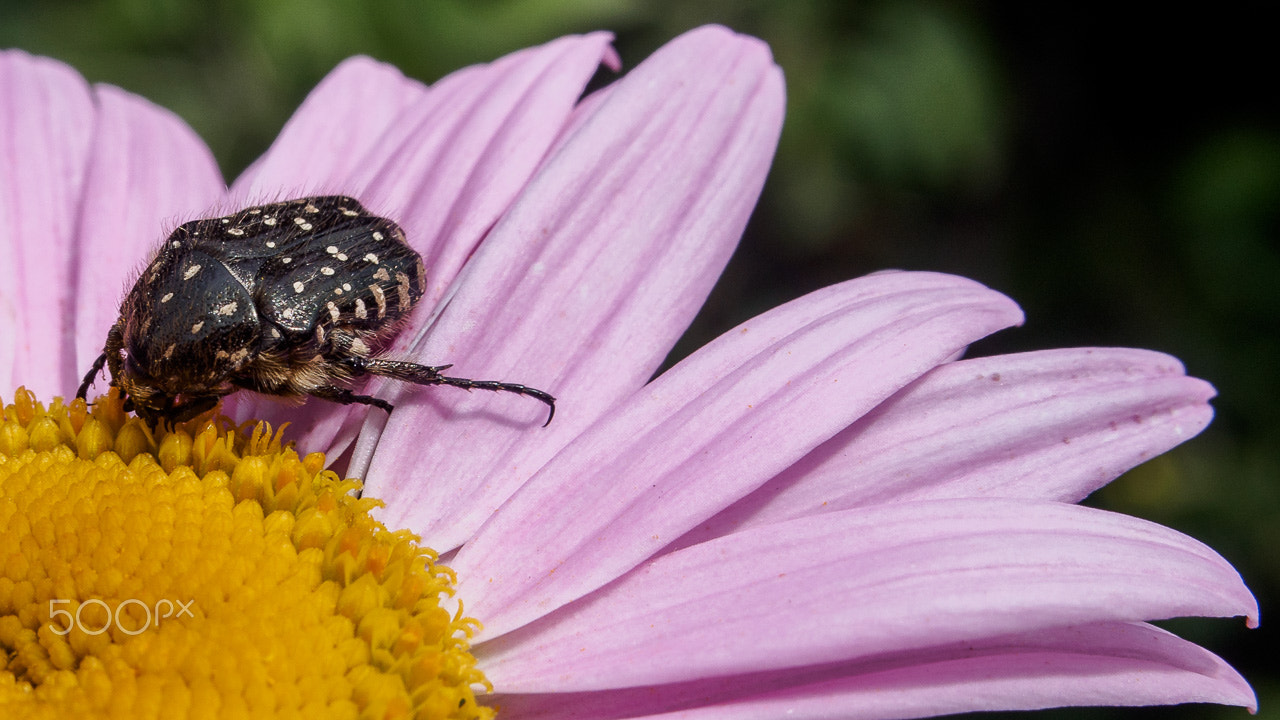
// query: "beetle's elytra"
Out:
[292,298]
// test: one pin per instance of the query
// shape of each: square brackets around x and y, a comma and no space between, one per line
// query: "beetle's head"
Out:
[186,330]
[170,398]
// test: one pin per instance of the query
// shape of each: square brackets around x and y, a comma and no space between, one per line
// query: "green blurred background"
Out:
[1118,175]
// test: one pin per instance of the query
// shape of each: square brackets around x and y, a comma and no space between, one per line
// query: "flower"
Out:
[822,513]
[213,574]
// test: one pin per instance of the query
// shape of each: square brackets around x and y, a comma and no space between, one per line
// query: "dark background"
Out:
[1117,174]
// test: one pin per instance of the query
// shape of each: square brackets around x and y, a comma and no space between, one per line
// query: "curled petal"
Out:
[730,416]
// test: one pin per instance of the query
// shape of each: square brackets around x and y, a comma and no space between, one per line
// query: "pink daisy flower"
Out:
[822,513]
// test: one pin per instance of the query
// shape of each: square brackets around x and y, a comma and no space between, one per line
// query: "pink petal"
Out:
[584,286]
[1100,664]
[452,172]
[46,127]
[148,172]
[445,163]
[862,583]
[1054,425]
[338,125]
[713,429]
[95,177]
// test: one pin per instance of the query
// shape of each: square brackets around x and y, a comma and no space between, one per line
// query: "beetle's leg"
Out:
[344,396]
[110,356]
[429,375]
[89,376]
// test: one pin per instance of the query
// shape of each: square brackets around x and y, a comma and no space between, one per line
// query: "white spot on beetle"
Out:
[229,308]
[337,291]
[311,208]
[269,221]
[287,313]
[402,290]
[286,260]
[168,351]
[275,331]
[196,328]
[334,313]
[271,243]
[326,271]
[298,286]
[238,356]
[332,249]
[382,275]
[302,223]
[177,244]
[377,235]
[255,211]
[380,298]
[358,347]
[371,258]
[342,257]
[167,297]
[349,212]
[320,334]
[361,312]
[346,286]
[226,220]
[235,231]
[190,272]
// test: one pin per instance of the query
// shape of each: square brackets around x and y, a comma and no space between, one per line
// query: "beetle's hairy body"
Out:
[290,299]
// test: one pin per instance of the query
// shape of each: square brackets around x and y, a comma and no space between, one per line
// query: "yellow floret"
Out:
[209,572]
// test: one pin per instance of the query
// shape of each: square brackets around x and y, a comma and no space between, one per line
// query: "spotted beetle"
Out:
[288,299]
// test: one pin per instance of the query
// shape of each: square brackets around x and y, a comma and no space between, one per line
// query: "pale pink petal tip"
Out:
[611,59]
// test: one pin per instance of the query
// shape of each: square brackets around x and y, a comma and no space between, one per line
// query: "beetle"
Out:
[293,298]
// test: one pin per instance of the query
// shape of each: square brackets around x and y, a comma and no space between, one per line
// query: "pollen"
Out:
[208,570]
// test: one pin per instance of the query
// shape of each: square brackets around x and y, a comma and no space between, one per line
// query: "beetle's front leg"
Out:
[91,375]
[110,356]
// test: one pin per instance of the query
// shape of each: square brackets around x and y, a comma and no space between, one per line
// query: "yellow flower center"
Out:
[209,572]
